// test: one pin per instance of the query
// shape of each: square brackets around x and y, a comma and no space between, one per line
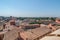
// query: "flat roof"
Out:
[56,32]
[50,38]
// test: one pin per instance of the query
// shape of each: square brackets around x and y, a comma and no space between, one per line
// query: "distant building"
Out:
[58,20]
[30,26]
[17,23]
[46,22]
[54,25]
[12,22]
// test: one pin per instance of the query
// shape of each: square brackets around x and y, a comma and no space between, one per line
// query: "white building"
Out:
[17,22]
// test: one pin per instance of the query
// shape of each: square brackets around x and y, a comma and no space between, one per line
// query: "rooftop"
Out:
[56,32]
[35,33]
[11,35]
[50,38]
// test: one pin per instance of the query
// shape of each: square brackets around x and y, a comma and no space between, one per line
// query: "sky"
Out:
[30,8]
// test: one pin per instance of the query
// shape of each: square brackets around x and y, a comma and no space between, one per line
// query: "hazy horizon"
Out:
[30,8]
